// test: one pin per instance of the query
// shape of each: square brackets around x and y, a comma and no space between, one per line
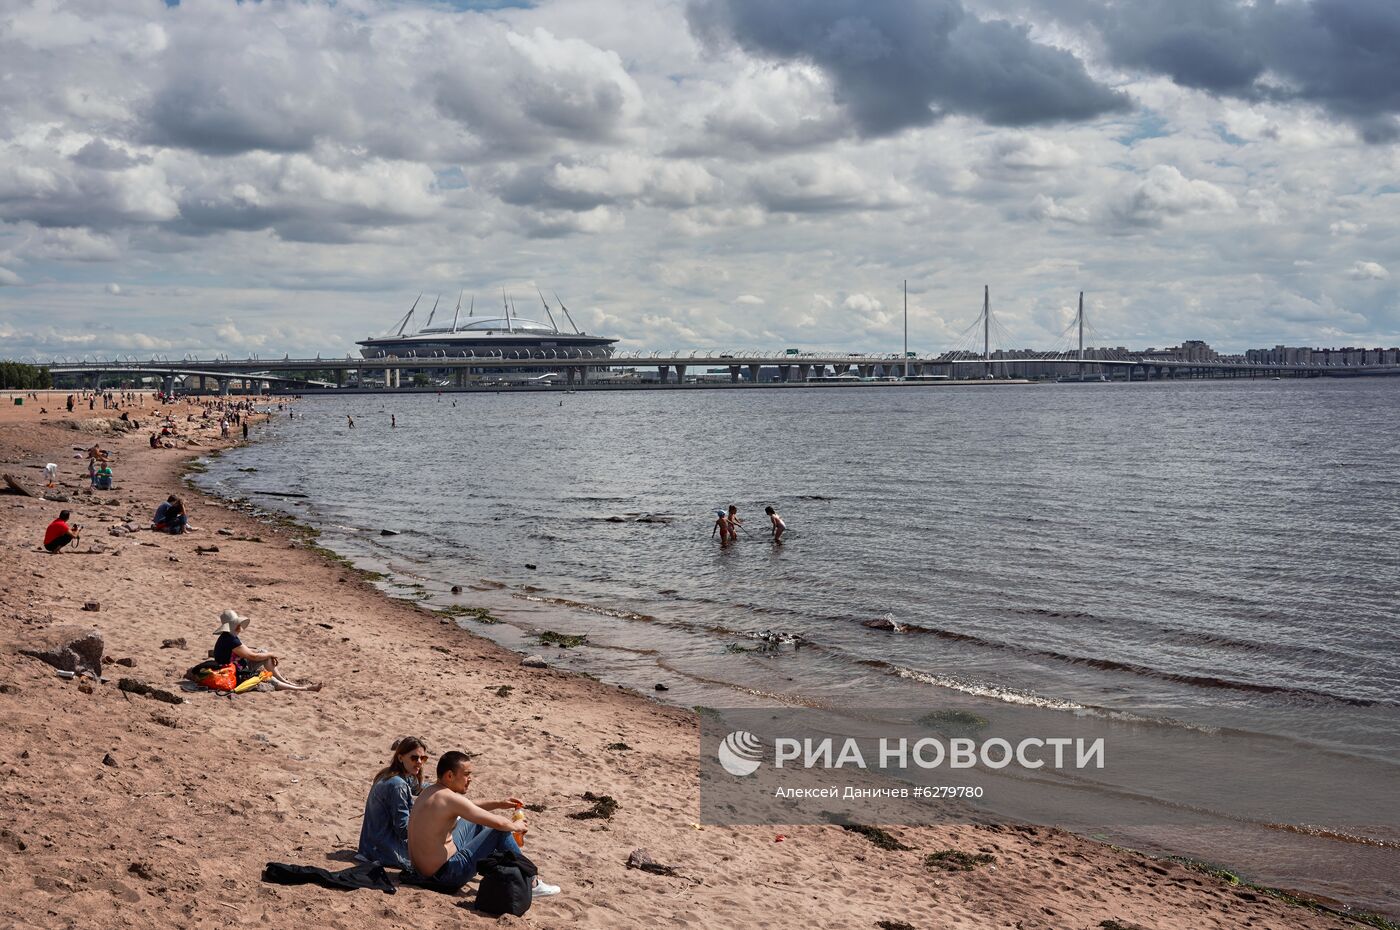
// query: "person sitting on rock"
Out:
[229,649]
[59,533]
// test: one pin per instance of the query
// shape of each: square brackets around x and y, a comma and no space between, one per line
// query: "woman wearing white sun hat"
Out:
[229,648]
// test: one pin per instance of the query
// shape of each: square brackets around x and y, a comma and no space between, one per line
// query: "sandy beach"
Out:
[174,827]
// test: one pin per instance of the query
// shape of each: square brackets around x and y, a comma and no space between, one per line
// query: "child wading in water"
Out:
[727,524]
[778,525]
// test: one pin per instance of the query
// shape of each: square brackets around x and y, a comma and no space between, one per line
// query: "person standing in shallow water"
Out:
[393,422]
[349,421]
[722,527]
[779,527]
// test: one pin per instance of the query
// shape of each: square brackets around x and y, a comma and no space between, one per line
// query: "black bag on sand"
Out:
[505,883]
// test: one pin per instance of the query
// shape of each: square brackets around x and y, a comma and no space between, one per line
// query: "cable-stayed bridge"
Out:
[971,358]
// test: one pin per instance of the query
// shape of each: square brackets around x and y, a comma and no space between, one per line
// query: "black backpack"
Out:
[505,883]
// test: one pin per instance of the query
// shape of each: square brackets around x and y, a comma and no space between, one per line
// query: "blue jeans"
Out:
[474,843]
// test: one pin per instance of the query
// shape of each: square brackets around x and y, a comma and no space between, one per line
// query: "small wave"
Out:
[1132,668]
[976,688]
[620,613]
[797,700]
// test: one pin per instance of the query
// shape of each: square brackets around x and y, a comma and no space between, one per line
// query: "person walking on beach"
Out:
[60,533]
[779,527]
[437,855]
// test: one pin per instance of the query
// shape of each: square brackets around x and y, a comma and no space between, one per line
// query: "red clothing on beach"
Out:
[56,529]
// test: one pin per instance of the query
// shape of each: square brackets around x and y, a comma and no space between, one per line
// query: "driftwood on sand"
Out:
[18,486]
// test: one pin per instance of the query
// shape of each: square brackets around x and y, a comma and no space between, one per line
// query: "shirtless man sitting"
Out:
[434,815]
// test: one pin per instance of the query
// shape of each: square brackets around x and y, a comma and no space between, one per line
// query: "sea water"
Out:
[1209,554]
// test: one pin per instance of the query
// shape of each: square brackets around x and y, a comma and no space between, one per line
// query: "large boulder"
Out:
[69,648]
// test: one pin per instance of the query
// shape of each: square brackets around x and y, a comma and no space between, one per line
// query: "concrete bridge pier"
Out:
[224,386]
[340,377]
[866,371]
[753,373]
[663,373]
[804,371]
[784,372]
[734,374]
[582,374]
[167,385]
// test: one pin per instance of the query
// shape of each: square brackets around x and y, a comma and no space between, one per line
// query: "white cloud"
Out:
[749,300]
[1165,193]
[1370,271]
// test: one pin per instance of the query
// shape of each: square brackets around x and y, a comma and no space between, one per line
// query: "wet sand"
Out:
[175,833]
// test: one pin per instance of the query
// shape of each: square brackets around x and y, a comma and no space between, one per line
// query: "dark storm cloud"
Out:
[103,157]
[901,63]
[218,117]
[1341,55]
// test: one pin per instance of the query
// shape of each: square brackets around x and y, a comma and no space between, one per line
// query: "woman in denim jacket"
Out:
[384,833]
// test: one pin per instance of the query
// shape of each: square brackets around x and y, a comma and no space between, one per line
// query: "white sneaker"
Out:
[543,890]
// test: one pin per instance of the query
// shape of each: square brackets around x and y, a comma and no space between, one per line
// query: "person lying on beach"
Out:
[170,517]
[229,648]
[443,856]
[778,525]
[60,533]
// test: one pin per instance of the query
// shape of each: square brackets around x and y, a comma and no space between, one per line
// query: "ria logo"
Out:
[740,753]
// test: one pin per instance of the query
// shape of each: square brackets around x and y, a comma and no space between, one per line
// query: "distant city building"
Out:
[1303,355]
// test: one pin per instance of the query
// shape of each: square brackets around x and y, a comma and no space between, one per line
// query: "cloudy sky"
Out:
[286,177]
